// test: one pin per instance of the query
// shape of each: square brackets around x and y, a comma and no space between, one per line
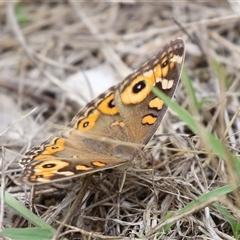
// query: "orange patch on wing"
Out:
[48,169]
[98,164]
[43,156]
[83,168]
[105,106]
[49,150]
[149,119]
[171,54]
[57,147]
[89,122]
[156,103]
[39,178]
[50,165]
[165,69]
[171,60]
[117,123]
[128,96]
[158,71]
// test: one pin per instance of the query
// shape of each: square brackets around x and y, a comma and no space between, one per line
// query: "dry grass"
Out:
[50,42]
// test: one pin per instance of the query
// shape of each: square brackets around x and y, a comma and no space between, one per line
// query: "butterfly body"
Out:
[103,133]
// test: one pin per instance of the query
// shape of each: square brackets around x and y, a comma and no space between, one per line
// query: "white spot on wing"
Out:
[164,83]
[176,58]
[148,73]
[167,84]
[66,173]
[170,83]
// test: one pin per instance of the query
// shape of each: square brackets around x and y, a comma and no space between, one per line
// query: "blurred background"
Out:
[57,56]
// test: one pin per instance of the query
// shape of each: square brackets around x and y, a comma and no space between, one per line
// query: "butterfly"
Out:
[104,134]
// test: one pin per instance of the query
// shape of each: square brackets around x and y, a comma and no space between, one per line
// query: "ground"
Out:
[57,56]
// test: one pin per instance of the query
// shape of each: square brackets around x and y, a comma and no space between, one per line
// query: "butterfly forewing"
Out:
[141,110]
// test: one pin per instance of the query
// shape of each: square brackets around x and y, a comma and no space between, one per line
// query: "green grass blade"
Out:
[212,142]
[200,202]
[27,233]
[229,218]
[187,82]
[26,213]
[21,14]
